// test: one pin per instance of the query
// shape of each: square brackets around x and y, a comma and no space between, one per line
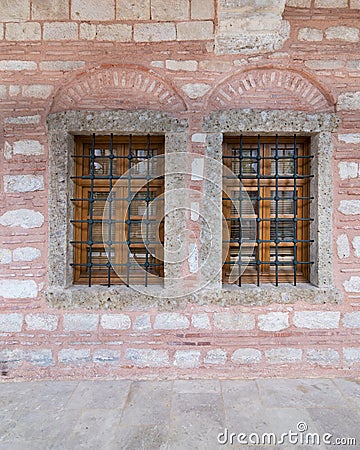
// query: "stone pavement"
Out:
[180,414]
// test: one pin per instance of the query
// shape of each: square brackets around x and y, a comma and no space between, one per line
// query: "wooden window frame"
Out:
[125,184]
[265,272]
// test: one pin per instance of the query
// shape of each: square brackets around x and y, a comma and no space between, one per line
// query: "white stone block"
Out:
[195,31]
[352,285]
[216,357]
[93,9]
[88,31]
[352,355]
[349,101]
[115,321]
[348,170]
[81,322]
[136,10]
[274,321]
[5,256]
[50,9]
[343,246]
[60,31]
[322,320]
[26,254]
[327,357]
[283,355]
[356,245]
[23,31]
[160,64]
[142,323]
[341,33]
[10,65]
[202,9]
[62,66]
[351,138]
[37,90]
[170,9]
[8,151]
[194,211]
[14,10]
[197,169]
[352,320]
[18,288]
[23,120]
[24,218]
[186,65]
[11,357]
[324,64]
[154,32]
[349,207]
[106,356]
[215,66]
[114,32]
[330,3]
[246,356]
[42,358]
[199,138]
[187,359]
[200,321]
[148,357]
[27,147]
[14,90]
[3,91]
[310,34]
[72,356]
[193,258]
[23,183]
[195,90]
[233,321]
[354,65]
[299,3]
[45,322]
[171,321]
[10,323]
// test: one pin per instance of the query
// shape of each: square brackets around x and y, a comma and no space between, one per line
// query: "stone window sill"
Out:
[124,298]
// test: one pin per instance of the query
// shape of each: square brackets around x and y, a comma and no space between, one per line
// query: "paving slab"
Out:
[99,394]
[315,392]
[94,429]
[148,403]
[350,390]
[148,437]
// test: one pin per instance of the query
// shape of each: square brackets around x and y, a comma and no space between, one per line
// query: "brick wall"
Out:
[184,58]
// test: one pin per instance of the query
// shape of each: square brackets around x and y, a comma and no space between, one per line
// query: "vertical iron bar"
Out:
[240,208]
[91,203]
[128,221]
[258,160]
[276,211]
[295,210]
[147,210]
[110,209]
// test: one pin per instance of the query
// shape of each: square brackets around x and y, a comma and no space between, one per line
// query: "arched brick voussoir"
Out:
[278,88]
[127,88]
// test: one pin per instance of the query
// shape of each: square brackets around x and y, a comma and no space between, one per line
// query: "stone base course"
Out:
[271,342]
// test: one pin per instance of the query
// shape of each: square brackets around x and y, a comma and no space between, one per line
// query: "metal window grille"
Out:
[118,210]
[266,204]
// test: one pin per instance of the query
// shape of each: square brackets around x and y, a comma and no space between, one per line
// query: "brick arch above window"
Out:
[118,87]
[281,89]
